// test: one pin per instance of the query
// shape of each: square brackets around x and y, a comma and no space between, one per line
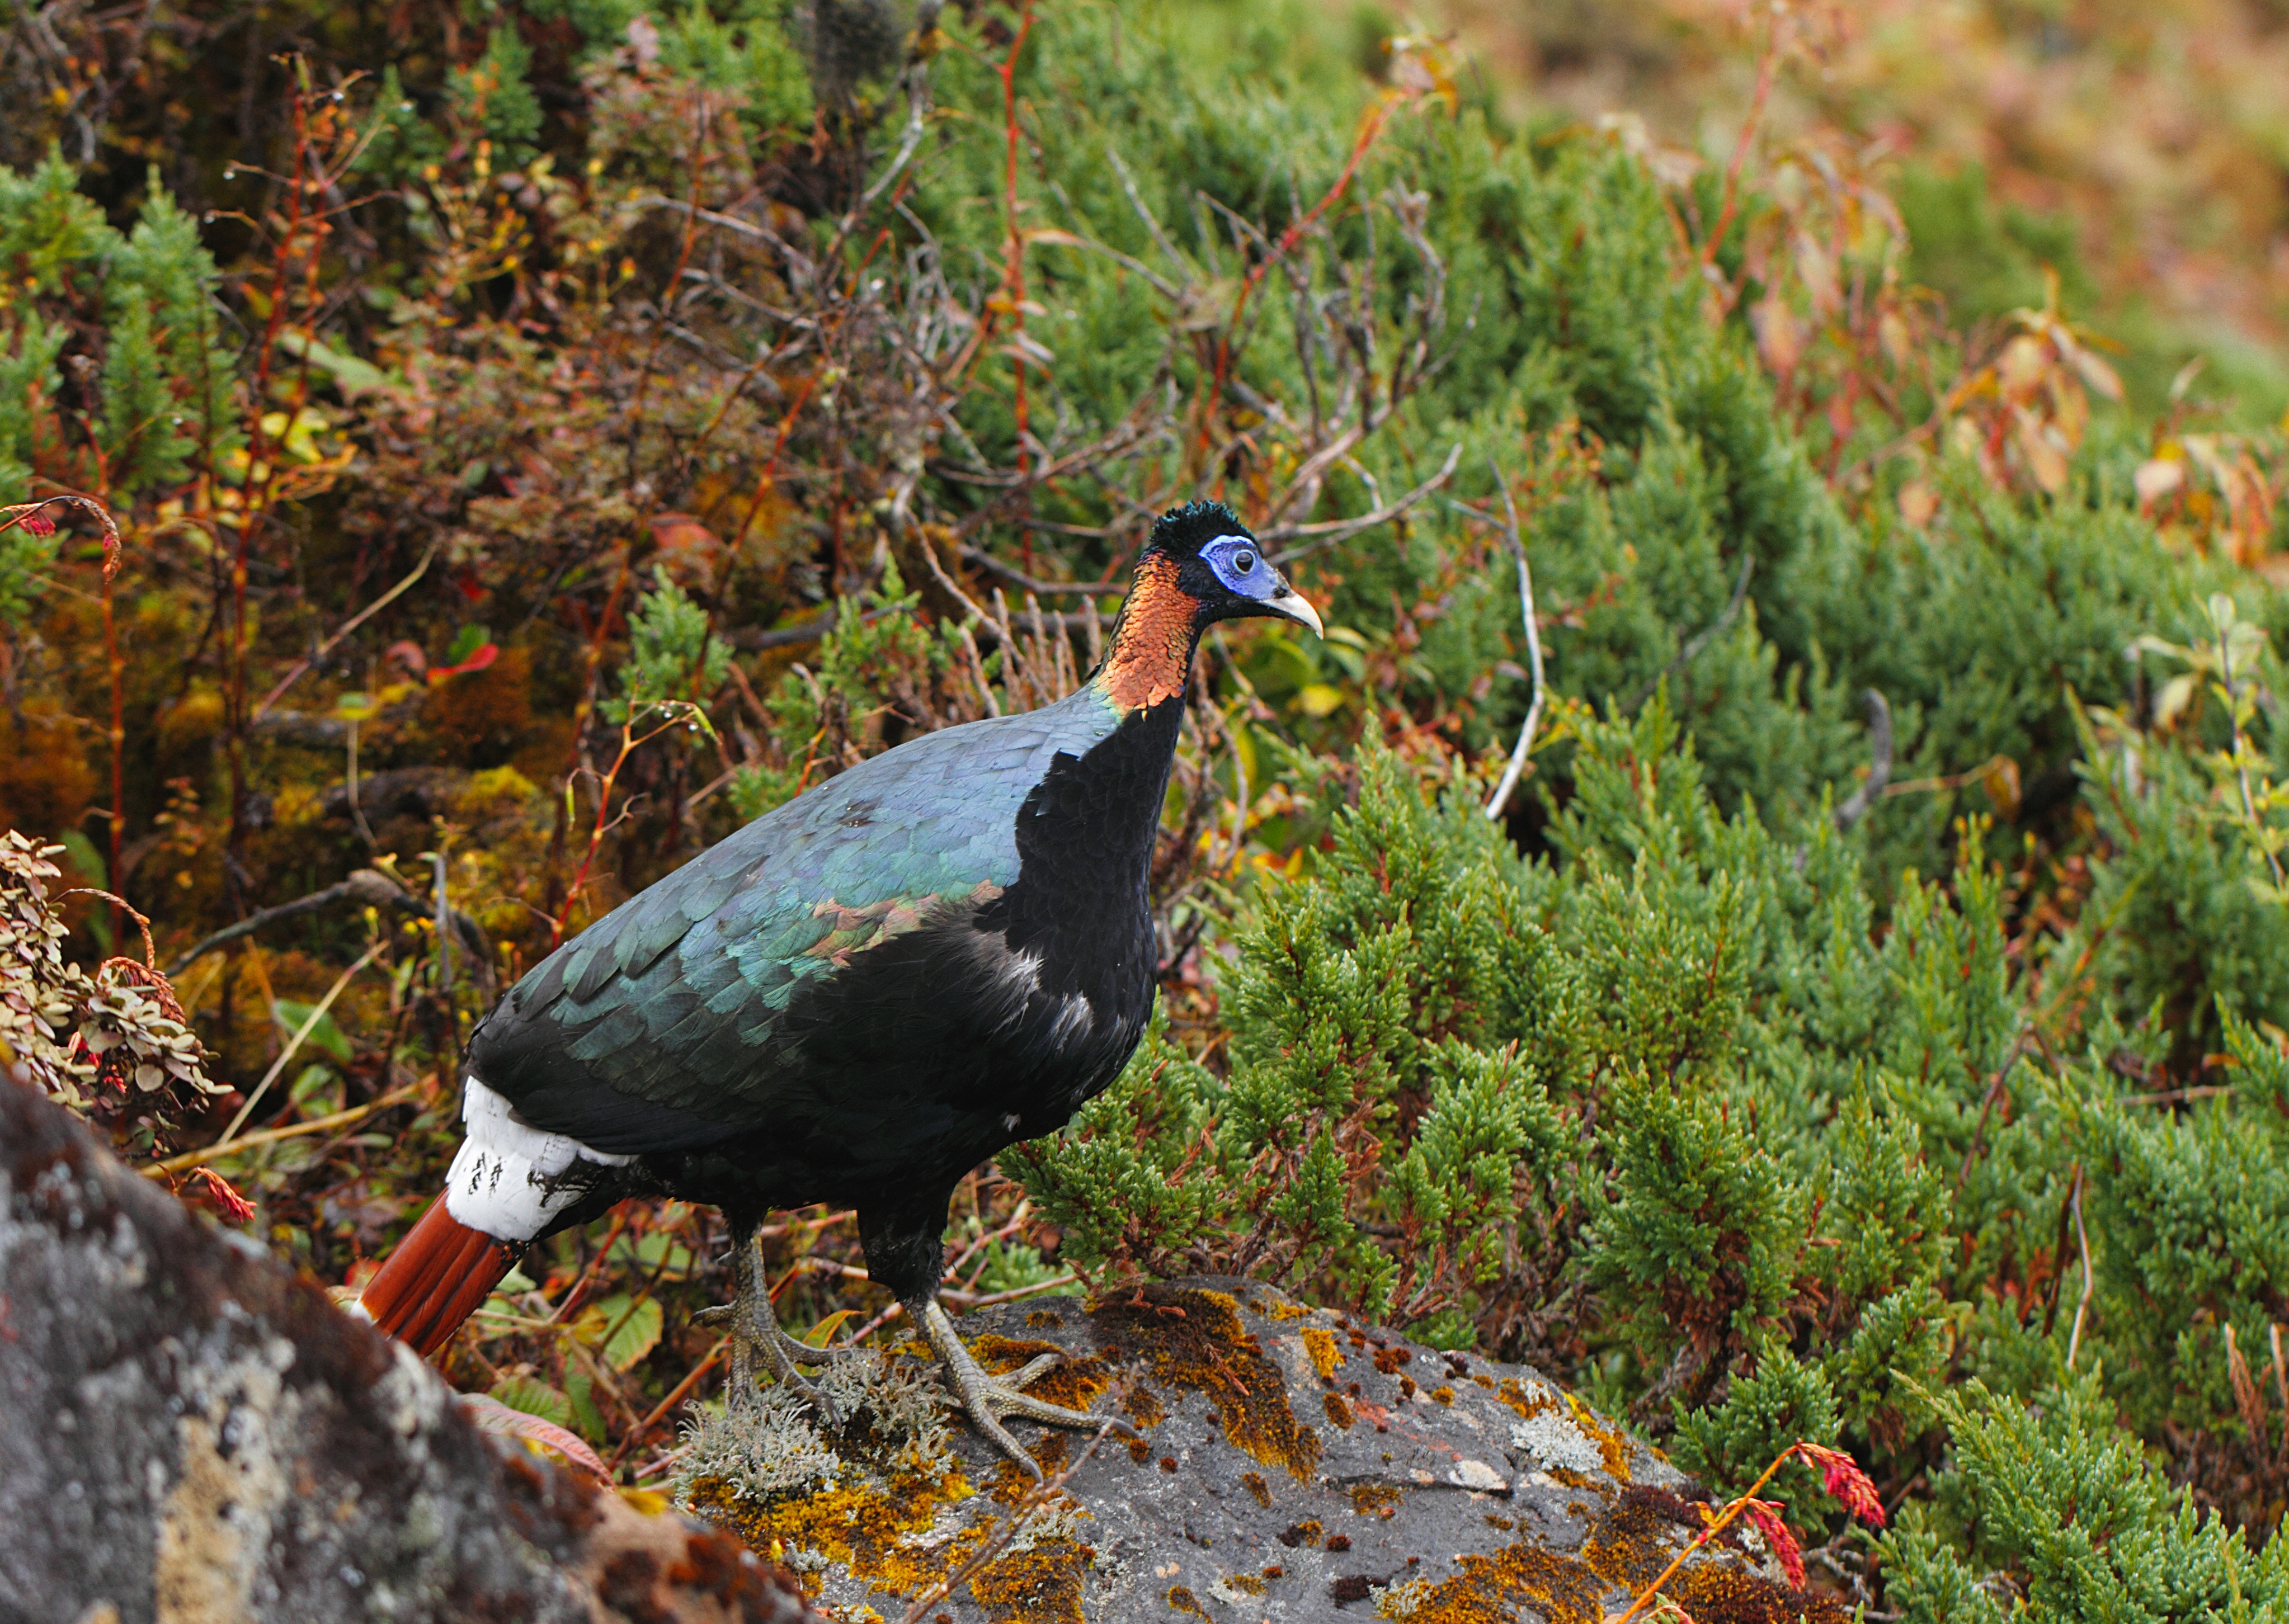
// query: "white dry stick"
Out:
[1517,767]
[2074,1341]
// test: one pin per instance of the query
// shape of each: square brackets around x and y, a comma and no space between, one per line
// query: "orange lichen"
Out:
[1613,1444]
[1496,1589]
[1253,1482]
[1325,1355]
[1195,1338]
[1376,1499]
[1631,1543]
[872,1530]
[1041,1586]
[1143,1406]
[1181,1600]
[1527,1406]
[1339,1411]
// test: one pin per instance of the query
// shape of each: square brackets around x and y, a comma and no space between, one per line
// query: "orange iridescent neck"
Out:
[1153,646]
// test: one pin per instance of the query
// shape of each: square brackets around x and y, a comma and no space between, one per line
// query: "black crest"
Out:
[1181,532]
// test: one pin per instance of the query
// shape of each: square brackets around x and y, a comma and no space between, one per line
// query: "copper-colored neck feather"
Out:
[1153,646]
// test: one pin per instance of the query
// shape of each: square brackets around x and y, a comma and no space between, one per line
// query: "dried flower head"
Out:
[1841,1475]
[1765,1516]
[232,1206]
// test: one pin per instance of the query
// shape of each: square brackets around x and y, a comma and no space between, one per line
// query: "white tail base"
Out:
[505,1178]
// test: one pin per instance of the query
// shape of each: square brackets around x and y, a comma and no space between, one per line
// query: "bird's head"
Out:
[1219,566]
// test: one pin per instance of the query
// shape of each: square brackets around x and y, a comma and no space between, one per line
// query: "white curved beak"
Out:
[1294,605]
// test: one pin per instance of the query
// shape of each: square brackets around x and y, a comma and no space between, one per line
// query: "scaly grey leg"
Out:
[755,1335]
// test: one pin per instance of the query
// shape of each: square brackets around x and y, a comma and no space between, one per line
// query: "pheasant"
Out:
[856,999]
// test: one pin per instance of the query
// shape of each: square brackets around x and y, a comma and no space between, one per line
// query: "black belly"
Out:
[888,1088]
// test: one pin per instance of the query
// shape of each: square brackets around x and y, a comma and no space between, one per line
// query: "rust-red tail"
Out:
[434,1280]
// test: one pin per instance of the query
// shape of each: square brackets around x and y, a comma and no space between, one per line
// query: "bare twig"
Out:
[2082,1309]
[366,887]
[296,672]
[1879,762]
[1328,532]
[271,1135]
[293,1044]
[1500,799]
[1017,577]
[1687,654]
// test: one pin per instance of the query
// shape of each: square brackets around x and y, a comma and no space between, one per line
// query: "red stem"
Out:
[1766,65]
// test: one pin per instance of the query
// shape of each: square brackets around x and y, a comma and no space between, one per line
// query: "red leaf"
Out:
[1841,1475]
[1766,1517]
[497,1418]
[478,661]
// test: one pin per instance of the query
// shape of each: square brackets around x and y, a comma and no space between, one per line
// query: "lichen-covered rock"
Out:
[1295,1466]
[189,1433]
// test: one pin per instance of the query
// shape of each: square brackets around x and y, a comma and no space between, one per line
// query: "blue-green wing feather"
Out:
[672,1001]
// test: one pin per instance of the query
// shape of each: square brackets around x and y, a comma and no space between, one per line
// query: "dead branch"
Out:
[1880,764]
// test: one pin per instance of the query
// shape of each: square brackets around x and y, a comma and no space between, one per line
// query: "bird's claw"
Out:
[990,1399]
[756,1338]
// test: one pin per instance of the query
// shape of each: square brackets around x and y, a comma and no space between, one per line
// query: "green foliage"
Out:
[1748,1127]
[493,95]
[2055,1496]
[113,376]
[673,653]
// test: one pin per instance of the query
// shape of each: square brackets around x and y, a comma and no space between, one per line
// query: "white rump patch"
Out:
[504,1180]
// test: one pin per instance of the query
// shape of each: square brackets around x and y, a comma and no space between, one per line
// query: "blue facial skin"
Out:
[1240,567]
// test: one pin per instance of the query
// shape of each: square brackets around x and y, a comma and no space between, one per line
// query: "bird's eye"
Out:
[1243,563]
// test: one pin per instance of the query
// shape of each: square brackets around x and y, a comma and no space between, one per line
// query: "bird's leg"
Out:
[989,1399]
[755,1335]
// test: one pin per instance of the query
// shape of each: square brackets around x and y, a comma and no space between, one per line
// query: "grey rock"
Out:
[189,1432]
[1295,1466]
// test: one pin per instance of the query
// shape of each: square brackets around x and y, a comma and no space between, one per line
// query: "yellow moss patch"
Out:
[1612,1444]
[1325,1355]
[1041,1586]
[1528,1405]
[875,1532]
[1253,1482]
[1181,1600]
[1493,1590]
[1339,1411]
[1629,1547]
[1635,1540]
[1376,1499]
[1195,1338]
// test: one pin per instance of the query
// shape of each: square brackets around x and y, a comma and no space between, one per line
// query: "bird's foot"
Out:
[757,1341]
[989,1399]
